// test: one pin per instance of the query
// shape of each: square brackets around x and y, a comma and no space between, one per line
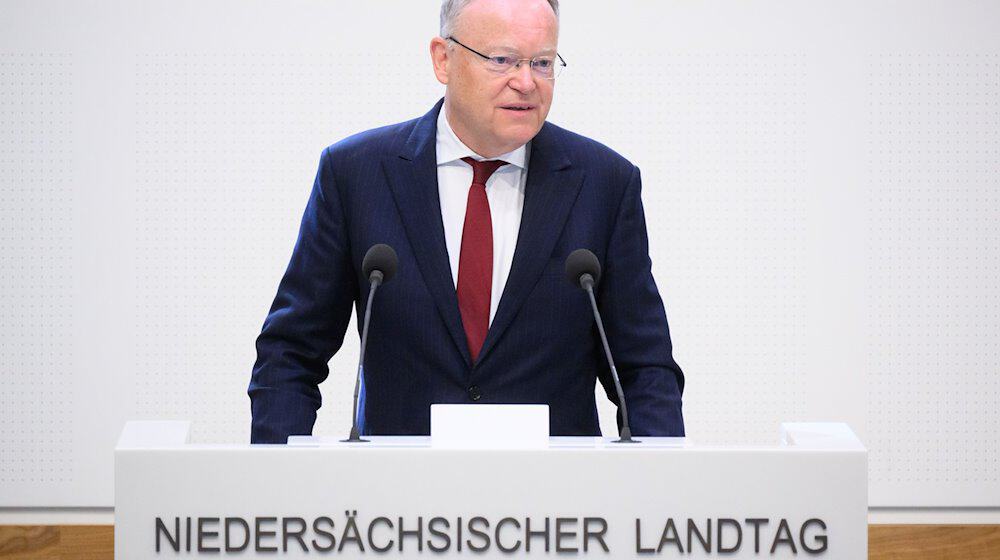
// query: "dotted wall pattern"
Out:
[38,260]
[719,140]
[933,221]
[217,214]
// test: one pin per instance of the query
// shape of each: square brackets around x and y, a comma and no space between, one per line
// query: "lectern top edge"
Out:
[811,437]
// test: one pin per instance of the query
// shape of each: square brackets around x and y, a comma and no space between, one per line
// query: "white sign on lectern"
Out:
[490,426]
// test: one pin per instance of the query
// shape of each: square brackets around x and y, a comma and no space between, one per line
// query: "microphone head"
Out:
[582,262]
[382,258]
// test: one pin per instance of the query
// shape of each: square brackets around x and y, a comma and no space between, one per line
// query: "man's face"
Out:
[496,113]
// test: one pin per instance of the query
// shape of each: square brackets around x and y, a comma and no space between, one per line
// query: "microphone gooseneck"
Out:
[379,266]
[583,270]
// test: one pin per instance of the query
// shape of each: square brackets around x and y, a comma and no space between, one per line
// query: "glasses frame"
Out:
[556,69]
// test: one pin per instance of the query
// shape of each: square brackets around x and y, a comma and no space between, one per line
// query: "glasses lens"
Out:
[543,66]
[501,64]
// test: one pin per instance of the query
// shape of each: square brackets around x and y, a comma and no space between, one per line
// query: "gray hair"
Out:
[450,9]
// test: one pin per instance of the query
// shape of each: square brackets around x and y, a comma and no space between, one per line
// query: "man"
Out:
[482,200]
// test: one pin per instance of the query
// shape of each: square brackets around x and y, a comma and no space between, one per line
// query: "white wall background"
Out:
[821,181]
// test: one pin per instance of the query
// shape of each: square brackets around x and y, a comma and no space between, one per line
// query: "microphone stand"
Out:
[375,279]
[587,282]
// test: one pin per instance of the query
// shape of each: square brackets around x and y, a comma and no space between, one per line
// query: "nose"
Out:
[523,80]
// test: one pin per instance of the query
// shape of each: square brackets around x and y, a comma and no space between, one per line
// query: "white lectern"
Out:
[403,497]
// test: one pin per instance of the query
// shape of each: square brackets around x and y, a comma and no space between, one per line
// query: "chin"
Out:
[521,135]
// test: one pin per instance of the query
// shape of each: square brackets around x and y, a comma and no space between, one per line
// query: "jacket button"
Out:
[474,393]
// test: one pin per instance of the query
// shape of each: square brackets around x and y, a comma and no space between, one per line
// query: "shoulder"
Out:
[368,145]
[592,155]
[346,165]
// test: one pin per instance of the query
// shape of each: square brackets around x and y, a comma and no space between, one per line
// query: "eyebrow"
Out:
[510,49]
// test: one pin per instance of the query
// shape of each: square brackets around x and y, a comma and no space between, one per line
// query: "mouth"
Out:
[518,108]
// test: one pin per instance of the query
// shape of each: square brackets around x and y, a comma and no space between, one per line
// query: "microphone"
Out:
[379,266]
[584,271]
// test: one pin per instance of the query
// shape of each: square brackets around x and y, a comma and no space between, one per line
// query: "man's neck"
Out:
[483,150]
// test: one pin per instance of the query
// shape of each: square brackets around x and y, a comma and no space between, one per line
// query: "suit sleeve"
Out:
[307,321]
[636,326]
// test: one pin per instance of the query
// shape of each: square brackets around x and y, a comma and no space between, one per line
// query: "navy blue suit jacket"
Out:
[380,186]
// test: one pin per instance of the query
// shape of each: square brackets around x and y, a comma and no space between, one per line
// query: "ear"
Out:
[440,59]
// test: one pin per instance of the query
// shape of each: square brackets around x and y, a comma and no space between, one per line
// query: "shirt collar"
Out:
[450,148]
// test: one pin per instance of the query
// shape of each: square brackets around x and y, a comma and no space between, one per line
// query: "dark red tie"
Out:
[475,263]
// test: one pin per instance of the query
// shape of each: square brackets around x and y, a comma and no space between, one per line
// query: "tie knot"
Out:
[482,170]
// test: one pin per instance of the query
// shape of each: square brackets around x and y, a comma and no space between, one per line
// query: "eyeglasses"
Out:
[547,67]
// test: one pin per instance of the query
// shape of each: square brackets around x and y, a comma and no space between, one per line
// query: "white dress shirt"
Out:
[504,190]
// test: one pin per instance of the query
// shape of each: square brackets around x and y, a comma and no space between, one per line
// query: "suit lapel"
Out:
[551,190]
[412,174]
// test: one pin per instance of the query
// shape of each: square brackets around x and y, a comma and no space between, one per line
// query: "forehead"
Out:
[518,25]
